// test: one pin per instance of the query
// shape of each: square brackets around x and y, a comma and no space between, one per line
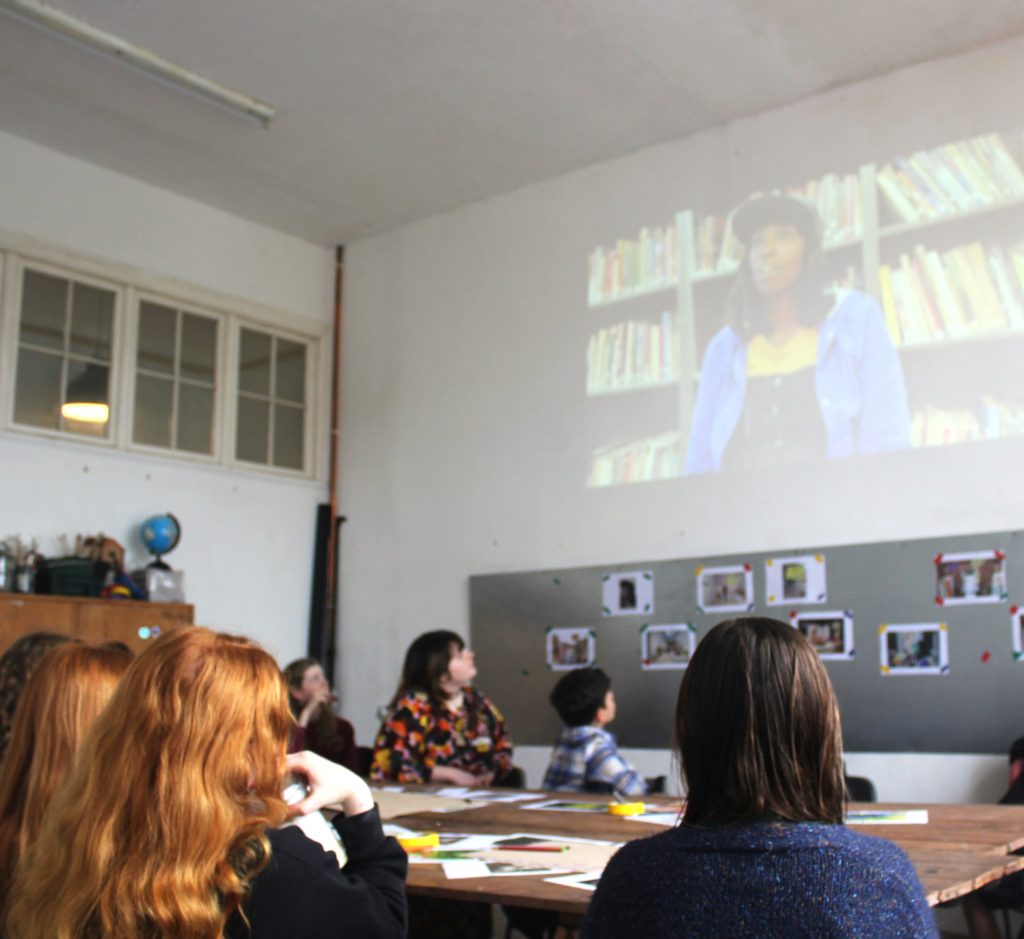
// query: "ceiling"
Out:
[392,110]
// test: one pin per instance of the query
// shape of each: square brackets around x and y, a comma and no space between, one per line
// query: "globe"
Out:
[160,534]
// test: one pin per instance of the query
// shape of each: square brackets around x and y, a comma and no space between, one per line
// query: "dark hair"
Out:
[579,695]
[746,309]
[426,663]
[757,728]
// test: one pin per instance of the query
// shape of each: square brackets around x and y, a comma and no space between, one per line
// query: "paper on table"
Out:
[462,869]
[872,817]
[485,795]
[393,804]
[586,881]
[668,819]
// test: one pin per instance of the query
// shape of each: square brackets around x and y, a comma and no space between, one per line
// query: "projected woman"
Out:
[799,371]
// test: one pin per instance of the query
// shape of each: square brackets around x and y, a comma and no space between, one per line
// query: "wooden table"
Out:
[962,848]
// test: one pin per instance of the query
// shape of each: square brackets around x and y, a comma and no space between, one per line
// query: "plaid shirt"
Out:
[587,759]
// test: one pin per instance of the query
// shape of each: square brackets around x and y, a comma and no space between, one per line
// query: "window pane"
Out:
[43,308]
[254,363]
[290,376]
[37,396]
[198,347]
[88,383]
[288,436]
[92,321]
[195,419]
[252,431]
[151,423]
[156,338]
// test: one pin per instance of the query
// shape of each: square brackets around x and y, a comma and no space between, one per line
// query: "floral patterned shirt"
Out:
[419,734]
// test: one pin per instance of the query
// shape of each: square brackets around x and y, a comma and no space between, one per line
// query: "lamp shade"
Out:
[86,398]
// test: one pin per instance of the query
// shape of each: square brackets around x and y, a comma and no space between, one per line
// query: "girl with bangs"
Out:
[63,696]
[169,824]
[761,849]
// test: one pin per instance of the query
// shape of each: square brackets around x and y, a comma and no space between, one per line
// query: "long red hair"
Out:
[61,699]
[161,827]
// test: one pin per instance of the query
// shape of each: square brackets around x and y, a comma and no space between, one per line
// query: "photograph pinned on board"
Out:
[627,594]
[667,646]
[799,579]
[569,648]
[970,577]
[914,648]
[1017,632]
[725,589]
[829,632]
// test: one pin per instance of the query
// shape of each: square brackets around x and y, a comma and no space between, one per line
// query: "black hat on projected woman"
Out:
[776,208]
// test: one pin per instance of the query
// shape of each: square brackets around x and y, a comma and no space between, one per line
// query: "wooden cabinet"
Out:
[87,618]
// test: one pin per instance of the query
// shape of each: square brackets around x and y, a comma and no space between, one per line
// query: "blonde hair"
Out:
[62,698]
[161,827]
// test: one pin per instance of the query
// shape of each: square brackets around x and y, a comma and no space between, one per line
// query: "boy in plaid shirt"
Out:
[585,757]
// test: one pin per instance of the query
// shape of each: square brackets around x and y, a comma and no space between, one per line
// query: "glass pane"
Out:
[88,383]
[43,308]
[92,321]
[37,394]
[151,423]
[288,436]
[252,431]
[290,376]
[195,419]
[156,338]
[198,347]
[254,363]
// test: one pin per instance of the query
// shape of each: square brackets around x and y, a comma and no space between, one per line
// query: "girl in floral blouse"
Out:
[441,729]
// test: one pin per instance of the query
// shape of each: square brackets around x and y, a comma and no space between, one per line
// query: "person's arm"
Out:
[606,765]
[885,414]
[400,748]
[302,892]
[502,742]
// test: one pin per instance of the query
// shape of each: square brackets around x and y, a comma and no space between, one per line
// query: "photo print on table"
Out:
[567,649]
[1017,632]
[799,579]
[970,577]
[627,594]
[667,646]
[829,632]
[914,648]
[725,589]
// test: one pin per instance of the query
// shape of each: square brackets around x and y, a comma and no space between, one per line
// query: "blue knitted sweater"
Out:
[774,879]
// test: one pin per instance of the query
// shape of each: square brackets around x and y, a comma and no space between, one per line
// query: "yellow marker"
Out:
[626,808]
[420,842]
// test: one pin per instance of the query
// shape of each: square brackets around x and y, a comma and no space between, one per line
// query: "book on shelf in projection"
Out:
[633,354]
[956,177]
[632,267]
[656,457]
[994,419]
[967,291]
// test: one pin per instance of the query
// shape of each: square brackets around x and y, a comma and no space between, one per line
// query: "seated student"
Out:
[65,693]
[317,727]
[167,826]
[585,758]
[762,849]
[440,728]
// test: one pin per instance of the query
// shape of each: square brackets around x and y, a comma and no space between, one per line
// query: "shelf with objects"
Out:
[936,239]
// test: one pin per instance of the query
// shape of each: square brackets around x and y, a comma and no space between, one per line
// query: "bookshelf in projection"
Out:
[936,236]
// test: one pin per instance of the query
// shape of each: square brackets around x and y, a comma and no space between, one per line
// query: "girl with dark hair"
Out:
[761,849]
[799,371]
[440,728]
[317,727]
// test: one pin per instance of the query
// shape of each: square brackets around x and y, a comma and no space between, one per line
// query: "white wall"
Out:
[465,439]
[247,538]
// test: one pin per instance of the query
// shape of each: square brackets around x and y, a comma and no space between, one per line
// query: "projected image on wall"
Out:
[866,313]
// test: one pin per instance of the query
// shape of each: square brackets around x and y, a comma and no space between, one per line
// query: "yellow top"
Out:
[420,842]
[626,808]
[766,358]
